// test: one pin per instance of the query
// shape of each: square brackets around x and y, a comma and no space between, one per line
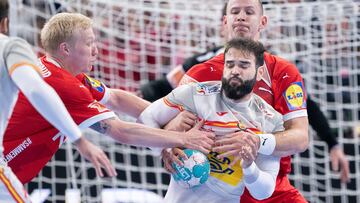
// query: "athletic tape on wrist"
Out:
[267,144]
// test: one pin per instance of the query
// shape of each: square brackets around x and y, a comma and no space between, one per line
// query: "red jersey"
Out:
[281,86]
[30,141]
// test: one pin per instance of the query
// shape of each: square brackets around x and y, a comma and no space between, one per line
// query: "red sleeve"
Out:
[202,72]
[28,148]
[289,91]
[98,89]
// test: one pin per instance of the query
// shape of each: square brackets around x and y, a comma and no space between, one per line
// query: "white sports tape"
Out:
[267,144]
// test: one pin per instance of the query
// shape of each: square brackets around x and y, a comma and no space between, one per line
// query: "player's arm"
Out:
[294,139]
[141,135]
[260,175]
[48,104]
[290,101]
[321,125]
[27,78]
[126,102]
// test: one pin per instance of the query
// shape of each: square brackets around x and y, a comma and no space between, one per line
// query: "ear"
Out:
[260,72]
[4,25]
[263,22]
[64,48]
[224,20]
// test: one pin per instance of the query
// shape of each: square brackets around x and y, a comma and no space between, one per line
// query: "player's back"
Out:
[8,89]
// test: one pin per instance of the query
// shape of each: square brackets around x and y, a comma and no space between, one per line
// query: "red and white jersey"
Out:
[30,141]
[281,86]
[14,52]
[222,116]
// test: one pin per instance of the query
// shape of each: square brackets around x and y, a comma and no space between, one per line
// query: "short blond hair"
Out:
[60,28]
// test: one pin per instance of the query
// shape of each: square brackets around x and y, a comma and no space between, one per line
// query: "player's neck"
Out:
[238,102]
[58,62]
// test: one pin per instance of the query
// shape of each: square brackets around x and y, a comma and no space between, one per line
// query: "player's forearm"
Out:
[140,135]
[125,102]
[260,184]
[320,124]
[295,138]
[46,101]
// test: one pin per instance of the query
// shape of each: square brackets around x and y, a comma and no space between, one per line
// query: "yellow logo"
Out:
[221,171]
[294,96]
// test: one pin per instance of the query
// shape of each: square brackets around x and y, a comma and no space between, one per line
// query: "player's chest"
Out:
[222,119]
[68,87]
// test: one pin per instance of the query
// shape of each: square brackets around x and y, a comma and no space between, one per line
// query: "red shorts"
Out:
[284,193]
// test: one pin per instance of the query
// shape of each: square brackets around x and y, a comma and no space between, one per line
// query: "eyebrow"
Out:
[241,62]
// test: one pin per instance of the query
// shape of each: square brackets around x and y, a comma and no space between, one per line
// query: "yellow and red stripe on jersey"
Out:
[17,65]
[10,188]
[172,105]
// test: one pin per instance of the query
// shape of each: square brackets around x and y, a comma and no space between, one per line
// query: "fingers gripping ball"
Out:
[194,172]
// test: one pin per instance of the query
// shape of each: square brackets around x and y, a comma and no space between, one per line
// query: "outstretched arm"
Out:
[125,102]
[141,135]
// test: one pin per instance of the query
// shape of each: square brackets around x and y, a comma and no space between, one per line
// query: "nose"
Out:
[241,16]
[237,70]
[95,50]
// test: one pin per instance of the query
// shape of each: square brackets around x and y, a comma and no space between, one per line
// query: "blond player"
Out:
[70,47]
[18,70]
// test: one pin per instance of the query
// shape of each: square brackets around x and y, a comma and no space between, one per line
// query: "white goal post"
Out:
[141,40]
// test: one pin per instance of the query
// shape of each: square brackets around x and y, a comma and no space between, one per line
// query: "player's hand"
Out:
[170,156]
[199,140]
[340,162]
[242,145]
[96,156]
[184,121]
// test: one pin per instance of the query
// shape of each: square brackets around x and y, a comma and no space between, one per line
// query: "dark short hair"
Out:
[4,9]
[247,45]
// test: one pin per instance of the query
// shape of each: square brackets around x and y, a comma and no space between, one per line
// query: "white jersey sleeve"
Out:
[159,113]
[21,63]
[165,109]
[260,176]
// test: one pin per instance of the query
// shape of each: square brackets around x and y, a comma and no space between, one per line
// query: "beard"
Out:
[238,90]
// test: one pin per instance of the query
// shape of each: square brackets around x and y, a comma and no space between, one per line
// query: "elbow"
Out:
[304,143]
[265,193]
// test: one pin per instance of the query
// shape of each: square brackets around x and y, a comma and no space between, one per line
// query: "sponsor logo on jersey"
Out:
[17,150]
[219,169]
[221,113]
[98,106]
[95,84]
[44,71]
[294,96]
[206,89]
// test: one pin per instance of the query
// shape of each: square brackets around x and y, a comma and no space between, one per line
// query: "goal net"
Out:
[141,40]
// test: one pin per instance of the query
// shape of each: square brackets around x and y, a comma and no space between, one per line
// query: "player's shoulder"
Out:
[209,70]
[261,105]
[199,88]
[279,66]
[206,88]
[10,43]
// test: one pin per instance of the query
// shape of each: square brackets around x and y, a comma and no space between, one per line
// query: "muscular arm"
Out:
[125,102]
[294,139]
[141,135]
